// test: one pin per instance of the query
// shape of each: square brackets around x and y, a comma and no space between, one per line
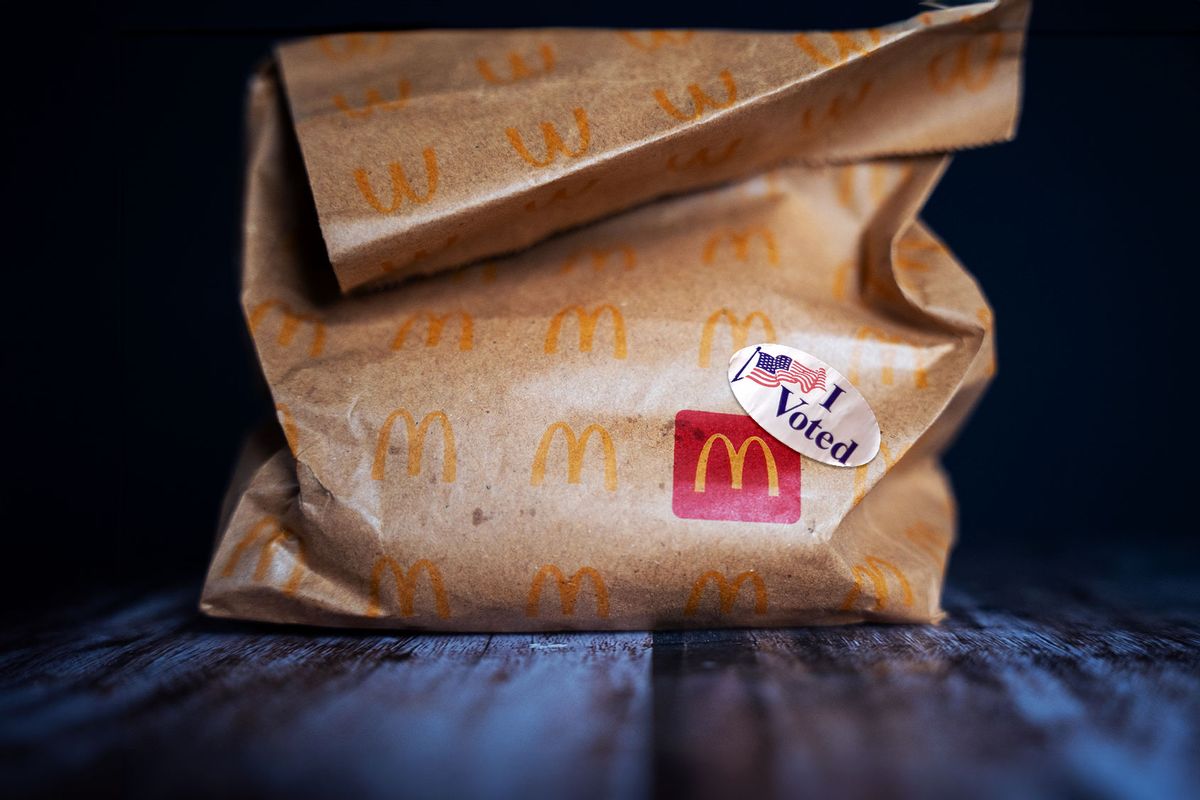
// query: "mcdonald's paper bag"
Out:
[545,438]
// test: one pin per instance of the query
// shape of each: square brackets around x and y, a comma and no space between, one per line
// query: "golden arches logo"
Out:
[862,475]
[420,255]
[844,44]
[587,328]
[349,45]
[518,69]
[554,142]
[739,330]
[291,323]
[700,99]
[401,189]
[740,239]
[727,591]
[600,258]
[836,109]
[703,158]
[374,102]
[737,462]
[415,437]
[654,39]
[406,584]
[910,253]
[878,181]
[846,194]
[876,281]
[434,325]
[568,590]
[889,342]
[960,66]
[874,571]
[841,277]
[576,447]
[925,538]
[278,535]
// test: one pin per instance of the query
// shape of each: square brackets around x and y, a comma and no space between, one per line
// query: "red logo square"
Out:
[727,467]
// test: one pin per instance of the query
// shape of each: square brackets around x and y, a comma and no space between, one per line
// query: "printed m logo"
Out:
[862,473]
[375,101]
[876,571]
[843,45]
[291,323]
[576,447]
[739,330]
[916,254]
[568,590]
[350,45]
[732,486]
[654,39]
[434,325]
[587,329]
[836,109]
[737,462]
[406,585]
[700,99]
[601,257]
[554,142]
[879,179]
[415,437]
[727,591]
[518,69]
[740,240]
[929,541]
[401,189]
[886,344]
[961,66]
[275,535]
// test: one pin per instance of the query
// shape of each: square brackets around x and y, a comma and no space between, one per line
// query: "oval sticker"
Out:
[805,403]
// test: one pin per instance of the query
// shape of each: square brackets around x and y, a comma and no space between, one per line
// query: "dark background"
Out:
[128,373]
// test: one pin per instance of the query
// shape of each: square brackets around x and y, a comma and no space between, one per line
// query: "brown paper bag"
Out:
[542,439]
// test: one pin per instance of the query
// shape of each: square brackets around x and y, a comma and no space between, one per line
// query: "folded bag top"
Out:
[431,149]
[545,438]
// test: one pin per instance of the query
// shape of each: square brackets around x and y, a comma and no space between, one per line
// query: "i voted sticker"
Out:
[805,403]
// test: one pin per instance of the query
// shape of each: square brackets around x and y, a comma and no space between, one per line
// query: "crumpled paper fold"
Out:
[528,425]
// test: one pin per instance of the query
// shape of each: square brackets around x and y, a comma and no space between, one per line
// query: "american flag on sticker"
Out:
[775,370]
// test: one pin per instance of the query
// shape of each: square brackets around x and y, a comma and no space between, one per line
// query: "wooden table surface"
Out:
[1065,678]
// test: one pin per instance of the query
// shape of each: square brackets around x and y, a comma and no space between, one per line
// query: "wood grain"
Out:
[1041,686]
